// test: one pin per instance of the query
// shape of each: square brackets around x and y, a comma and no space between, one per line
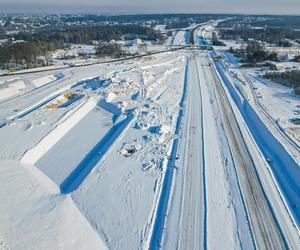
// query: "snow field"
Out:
[53,218]
[36,218]
[138,178]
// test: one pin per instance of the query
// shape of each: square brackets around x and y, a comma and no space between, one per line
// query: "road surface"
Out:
[266,233]
[188,227]
[192,233]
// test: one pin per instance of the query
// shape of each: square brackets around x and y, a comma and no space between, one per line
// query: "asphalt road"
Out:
[263,223]
[192,228]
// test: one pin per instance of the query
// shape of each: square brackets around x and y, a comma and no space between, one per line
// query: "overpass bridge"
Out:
[191,46]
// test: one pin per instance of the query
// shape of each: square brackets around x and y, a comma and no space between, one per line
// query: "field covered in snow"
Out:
[175,150]
[276,101]
[122,113]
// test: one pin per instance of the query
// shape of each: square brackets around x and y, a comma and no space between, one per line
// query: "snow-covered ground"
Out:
[230,44]
[278,100]
[65,154]
[150,47]
[34,218]
[11,89]
[13,86]
[146,153]
[74,51]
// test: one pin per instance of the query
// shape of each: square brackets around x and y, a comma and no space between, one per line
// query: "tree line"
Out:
[270,21]
[112,50]
[254,53]
[140,19]
[85,35]
[26,54]
[269,35]
[33,46]
[288,78]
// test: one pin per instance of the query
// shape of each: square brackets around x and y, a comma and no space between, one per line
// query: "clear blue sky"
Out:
[148,6]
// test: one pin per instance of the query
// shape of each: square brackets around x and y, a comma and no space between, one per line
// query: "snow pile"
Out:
[12,89]
[52,138]
[91,83]
[33,218]
[127,150]
[165,131]
[111,96]
[44,80]
[63,100]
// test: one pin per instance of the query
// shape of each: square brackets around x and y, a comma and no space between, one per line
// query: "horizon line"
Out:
[123,13]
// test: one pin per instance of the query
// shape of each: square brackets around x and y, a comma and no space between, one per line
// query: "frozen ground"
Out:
[280,102]
[74,51]
[169,151]
[13,86]
[123,107]
[276,100]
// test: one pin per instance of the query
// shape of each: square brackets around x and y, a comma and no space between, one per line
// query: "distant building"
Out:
[95,42]
[18,41]
[128,42]
[286,57]
[3,41]
[274,65]
[142,47]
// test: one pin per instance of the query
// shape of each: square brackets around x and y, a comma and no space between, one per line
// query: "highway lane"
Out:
[183,206]
[265,229]
[185,216]
[192,223]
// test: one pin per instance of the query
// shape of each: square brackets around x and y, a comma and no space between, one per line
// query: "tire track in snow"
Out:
[267,234]
[243,229]
[193,231]
[192,221]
